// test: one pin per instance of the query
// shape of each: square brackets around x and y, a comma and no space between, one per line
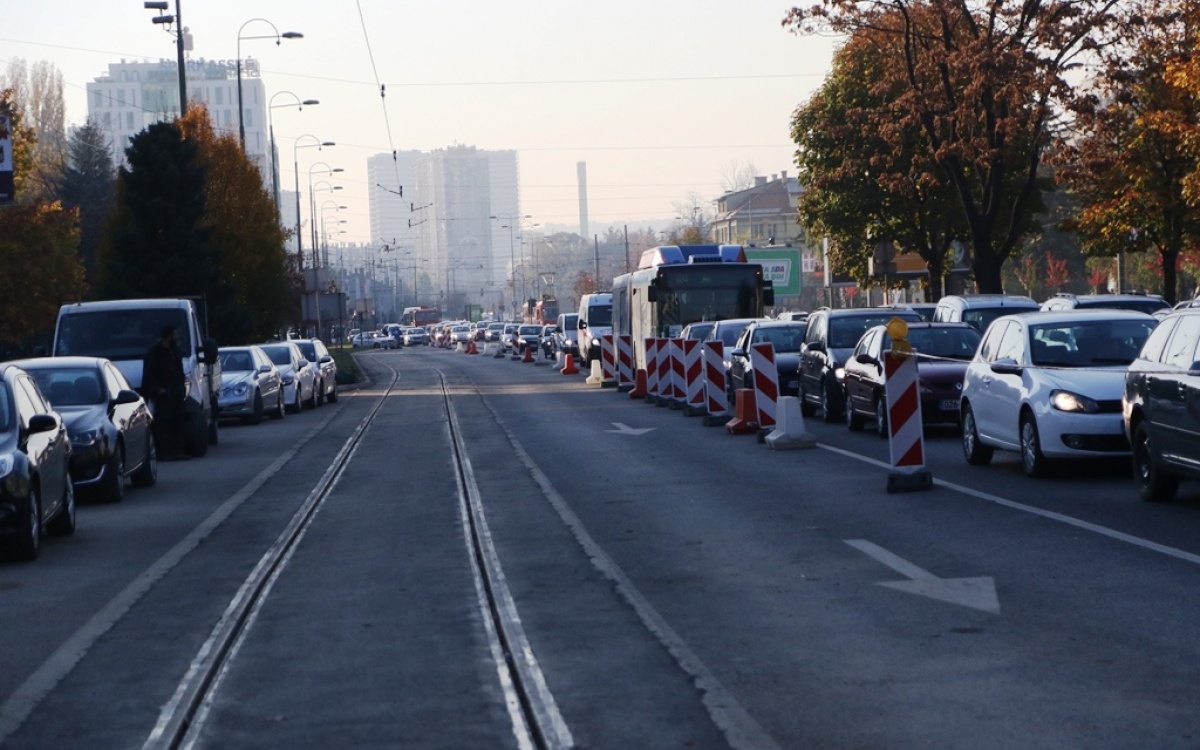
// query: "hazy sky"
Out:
[661,98]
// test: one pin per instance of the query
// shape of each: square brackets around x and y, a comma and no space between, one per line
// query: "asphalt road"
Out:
[679,587]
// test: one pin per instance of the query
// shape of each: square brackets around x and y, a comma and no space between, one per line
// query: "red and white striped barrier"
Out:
[651,369]
[716,398]
[906,439]
[678,386]
[624,362]
[693,378]
[664,372]
[766,383]
[608,361]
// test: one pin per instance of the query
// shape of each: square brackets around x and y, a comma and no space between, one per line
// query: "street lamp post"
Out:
[275,159]
[167,20]
[278,39]
[512,259]
[324,233]
[296,166]
[312,200]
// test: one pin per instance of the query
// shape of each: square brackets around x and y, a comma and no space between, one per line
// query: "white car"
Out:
[1049,385]
[298,375]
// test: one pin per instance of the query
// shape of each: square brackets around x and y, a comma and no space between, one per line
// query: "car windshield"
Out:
[236,361]
[6,411]
[69,386]
[943,343]
[728,333]
[280,355]
[782,338]
[309,350]
[530,331]
[1092,343]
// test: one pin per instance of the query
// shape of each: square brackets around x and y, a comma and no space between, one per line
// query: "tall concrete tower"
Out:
[581,170]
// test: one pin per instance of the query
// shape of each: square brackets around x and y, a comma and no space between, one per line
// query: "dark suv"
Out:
[1162,389]
[828,343]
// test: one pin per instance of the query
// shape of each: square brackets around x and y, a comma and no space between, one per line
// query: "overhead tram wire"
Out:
[382,102]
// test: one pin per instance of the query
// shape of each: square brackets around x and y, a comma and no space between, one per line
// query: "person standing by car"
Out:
[164,384]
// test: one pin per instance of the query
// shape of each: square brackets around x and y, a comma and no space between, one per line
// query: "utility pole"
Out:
[596,278]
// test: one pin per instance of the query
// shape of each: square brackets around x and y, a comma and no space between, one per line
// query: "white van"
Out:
[123,330]
[595,320]
[566,335]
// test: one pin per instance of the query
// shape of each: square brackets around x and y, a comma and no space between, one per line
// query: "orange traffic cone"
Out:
[528,357]
[569,368]
[745,420]
[471,347]
[639,384]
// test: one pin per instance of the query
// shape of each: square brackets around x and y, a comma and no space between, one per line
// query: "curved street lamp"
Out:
[296,166]
[299,105]
[512,259]
[312,201]
[278,40]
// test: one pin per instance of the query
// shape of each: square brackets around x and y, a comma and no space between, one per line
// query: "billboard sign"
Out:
[781,266]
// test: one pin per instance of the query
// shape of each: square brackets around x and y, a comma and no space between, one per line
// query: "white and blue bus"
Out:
[679,284]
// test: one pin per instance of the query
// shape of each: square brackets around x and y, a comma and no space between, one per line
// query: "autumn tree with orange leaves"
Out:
[1132,159]
[983,85]
[37,242]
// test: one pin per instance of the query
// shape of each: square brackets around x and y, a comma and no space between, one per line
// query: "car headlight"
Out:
[839,372]
[6,464]
[1073,402]
[87,437]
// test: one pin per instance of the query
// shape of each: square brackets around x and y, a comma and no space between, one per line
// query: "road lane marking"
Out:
[624,429]
[977,593]
[1104,531]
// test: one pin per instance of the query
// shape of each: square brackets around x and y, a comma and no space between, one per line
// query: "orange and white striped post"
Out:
[906,438]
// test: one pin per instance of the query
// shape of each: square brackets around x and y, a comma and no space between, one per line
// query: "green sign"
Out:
[781,266]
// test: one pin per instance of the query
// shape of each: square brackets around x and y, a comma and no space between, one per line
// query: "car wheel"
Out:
[854,422]
[332,396]
[1153,483]
[256,417]
[112,490]
[881,423]
[280,407]
[829,409]
[806,407]
[198,444]
[147,475]
[976,453]
[26,545]
[320,386]
[63,523]
[312,398]
[1035,464]
[294,407]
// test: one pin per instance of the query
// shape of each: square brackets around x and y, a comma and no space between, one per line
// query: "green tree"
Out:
[983,83]
[88,185]
[1131,163]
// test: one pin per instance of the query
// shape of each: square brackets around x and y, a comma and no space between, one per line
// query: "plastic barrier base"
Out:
[909,481]
[744,420]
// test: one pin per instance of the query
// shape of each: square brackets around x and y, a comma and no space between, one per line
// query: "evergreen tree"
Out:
[88,184]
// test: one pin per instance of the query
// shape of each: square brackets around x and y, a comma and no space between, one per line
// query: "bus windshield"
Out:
[687,294]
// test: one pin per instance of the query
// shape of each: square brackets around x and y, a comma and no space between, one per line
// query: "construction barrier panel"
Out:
[766,383]
[906,439]
[716,397]
[678,384]
[608,360]
[651,370]
[664,372]
[625,380]
[693,378]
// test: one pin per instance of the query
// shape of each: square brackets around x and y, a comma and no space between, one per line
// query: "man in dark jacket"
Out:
[164,384]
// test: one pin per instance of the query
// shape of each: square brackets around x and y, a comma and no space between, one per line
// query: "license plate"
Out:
[950,404]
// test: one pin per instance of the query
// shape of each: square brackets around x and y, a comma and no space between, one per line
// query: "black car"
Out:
[828,343]
[942,351]
[36,491]
[1162,406]
[107,421]
[527,335]
[787,338]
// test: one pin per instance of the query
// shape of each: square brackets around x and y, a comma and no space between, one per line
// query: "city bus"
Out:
[420,317]
[679,284]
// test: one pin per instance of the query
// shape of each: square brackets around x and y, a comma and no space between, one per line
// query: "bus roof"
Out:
[676,254]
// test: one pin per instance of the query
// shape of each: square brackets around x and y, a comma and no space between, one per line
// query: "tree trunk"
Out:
[1170,280]
[986,266]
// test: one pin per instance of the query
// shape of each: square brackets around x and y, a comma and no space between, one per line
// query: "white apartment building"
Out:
[132,95]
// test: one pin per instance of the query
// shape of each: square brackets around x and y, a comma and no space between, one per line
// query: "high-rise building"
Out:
[133,95]
[442,223]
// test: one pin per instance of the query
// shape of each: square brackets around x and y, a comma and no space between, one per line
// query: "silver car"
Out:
[250,385]
[326,368]
[297,374]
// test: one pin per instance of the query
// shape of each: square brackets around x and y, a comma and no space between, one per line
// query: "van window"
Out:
[599,315]
[118,334]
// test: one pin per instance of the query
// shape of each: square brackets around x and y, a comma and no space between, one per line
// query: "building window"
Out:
[120,97]
[97,99]
[220,96]
[129,121]
[106,120]
[248,118]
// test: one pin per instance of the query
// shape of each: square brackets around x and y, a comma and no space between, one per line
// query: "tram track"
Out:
[536,721]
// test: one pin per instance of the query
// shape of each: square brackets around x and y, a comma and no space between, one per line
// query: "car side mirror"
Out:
[264,369]
[326,358]
[737,351]
[210,350]
[1194,369]
[1006,367]
[126,396]
[865,359]
[42,423]
[816,346]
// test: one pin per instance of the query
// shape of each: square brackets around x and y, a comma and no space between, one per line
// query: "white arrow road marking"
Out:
[624,429]
[977,593]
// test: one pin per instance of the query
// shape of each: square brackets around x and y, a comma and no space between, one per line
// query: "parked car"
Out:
[786,336]
[1049,385]
[698,330]
[727,332]
[315,351]
[527,334]
[942,351]
[828,343]
[925,309]
[1146,303]
[566,337]
[416,337]
[107,421]
[1162,391]
[296,373]
[251,385]
[979,310]
[372,340]
[36,491]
